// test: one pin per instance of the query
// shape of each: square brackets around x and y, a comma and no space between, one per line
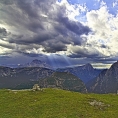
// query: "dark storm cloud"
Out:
[40,22]
[31,54]
[50,28]
[6,2]
[55,47]
[34,26]
[35,39]
[85,53]
[61,29]
[75,27]
[82,55]
[28,8]
[3,32]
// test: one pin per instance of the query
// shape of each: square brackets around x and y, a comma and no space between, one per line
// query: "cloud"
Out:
[73,26]
[102,3]
[100,45]
[3,33]
[43,23]
[31,54]
[6,2]
[43,27]
[55,46]
[105,32]
[6,45]
[84,52]
[36,38]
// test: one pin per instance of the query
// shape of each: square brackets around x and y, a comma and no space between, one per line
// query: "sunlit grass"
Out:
[56,103]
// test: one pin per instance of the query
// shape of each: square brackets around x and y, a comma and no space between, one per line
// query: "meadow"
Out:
[57,103]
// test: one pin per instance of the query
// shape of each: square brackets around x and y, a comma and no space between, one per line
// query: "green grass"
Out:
[56,103]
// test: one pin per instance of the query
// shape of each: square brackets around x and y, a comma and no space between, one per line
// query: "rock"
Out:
[36,87]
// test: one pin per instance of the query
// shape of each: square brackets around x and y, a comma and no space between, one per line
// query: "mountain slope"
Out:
[21,77]
[106,82]
[63,80]
[85,72]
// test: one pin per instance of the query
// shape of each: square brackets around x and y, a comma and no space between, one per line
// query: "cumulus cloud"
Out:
[101,44]
[105,32]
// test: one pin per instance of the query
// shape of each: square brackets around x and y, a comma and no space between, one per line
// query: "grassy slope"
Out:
[55,103]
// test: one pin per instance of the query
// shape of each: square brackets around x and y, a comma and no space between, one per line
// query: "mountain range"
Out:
[77,78]
[84,72]
[25,78]
[22,77]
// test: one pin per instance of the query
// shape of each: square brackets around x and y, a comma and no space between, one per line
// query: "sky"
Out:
[60,32]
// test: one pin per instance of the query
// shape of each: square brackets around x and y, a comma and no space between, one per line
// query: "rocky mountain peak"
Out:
[88,66]
[107,81]
[36,63]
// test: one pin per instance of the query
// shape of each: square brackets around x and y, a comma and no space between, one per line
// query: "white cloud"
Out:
[101,65]
[105,27]
[4,51]
[73,10]
[115,3]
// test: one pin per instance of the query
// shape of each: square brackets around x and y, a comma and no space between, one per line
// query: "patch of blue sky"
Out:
[112,5]
[93,4]
[59,0]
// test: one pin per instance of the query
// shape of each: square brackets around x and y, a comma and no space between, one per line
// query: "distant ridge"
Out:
[36,63]
[85,72]
[20,78]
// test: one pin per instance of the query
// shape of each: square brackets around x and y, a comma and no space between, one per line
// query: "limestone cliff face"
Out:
[63,80]
[106,82]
